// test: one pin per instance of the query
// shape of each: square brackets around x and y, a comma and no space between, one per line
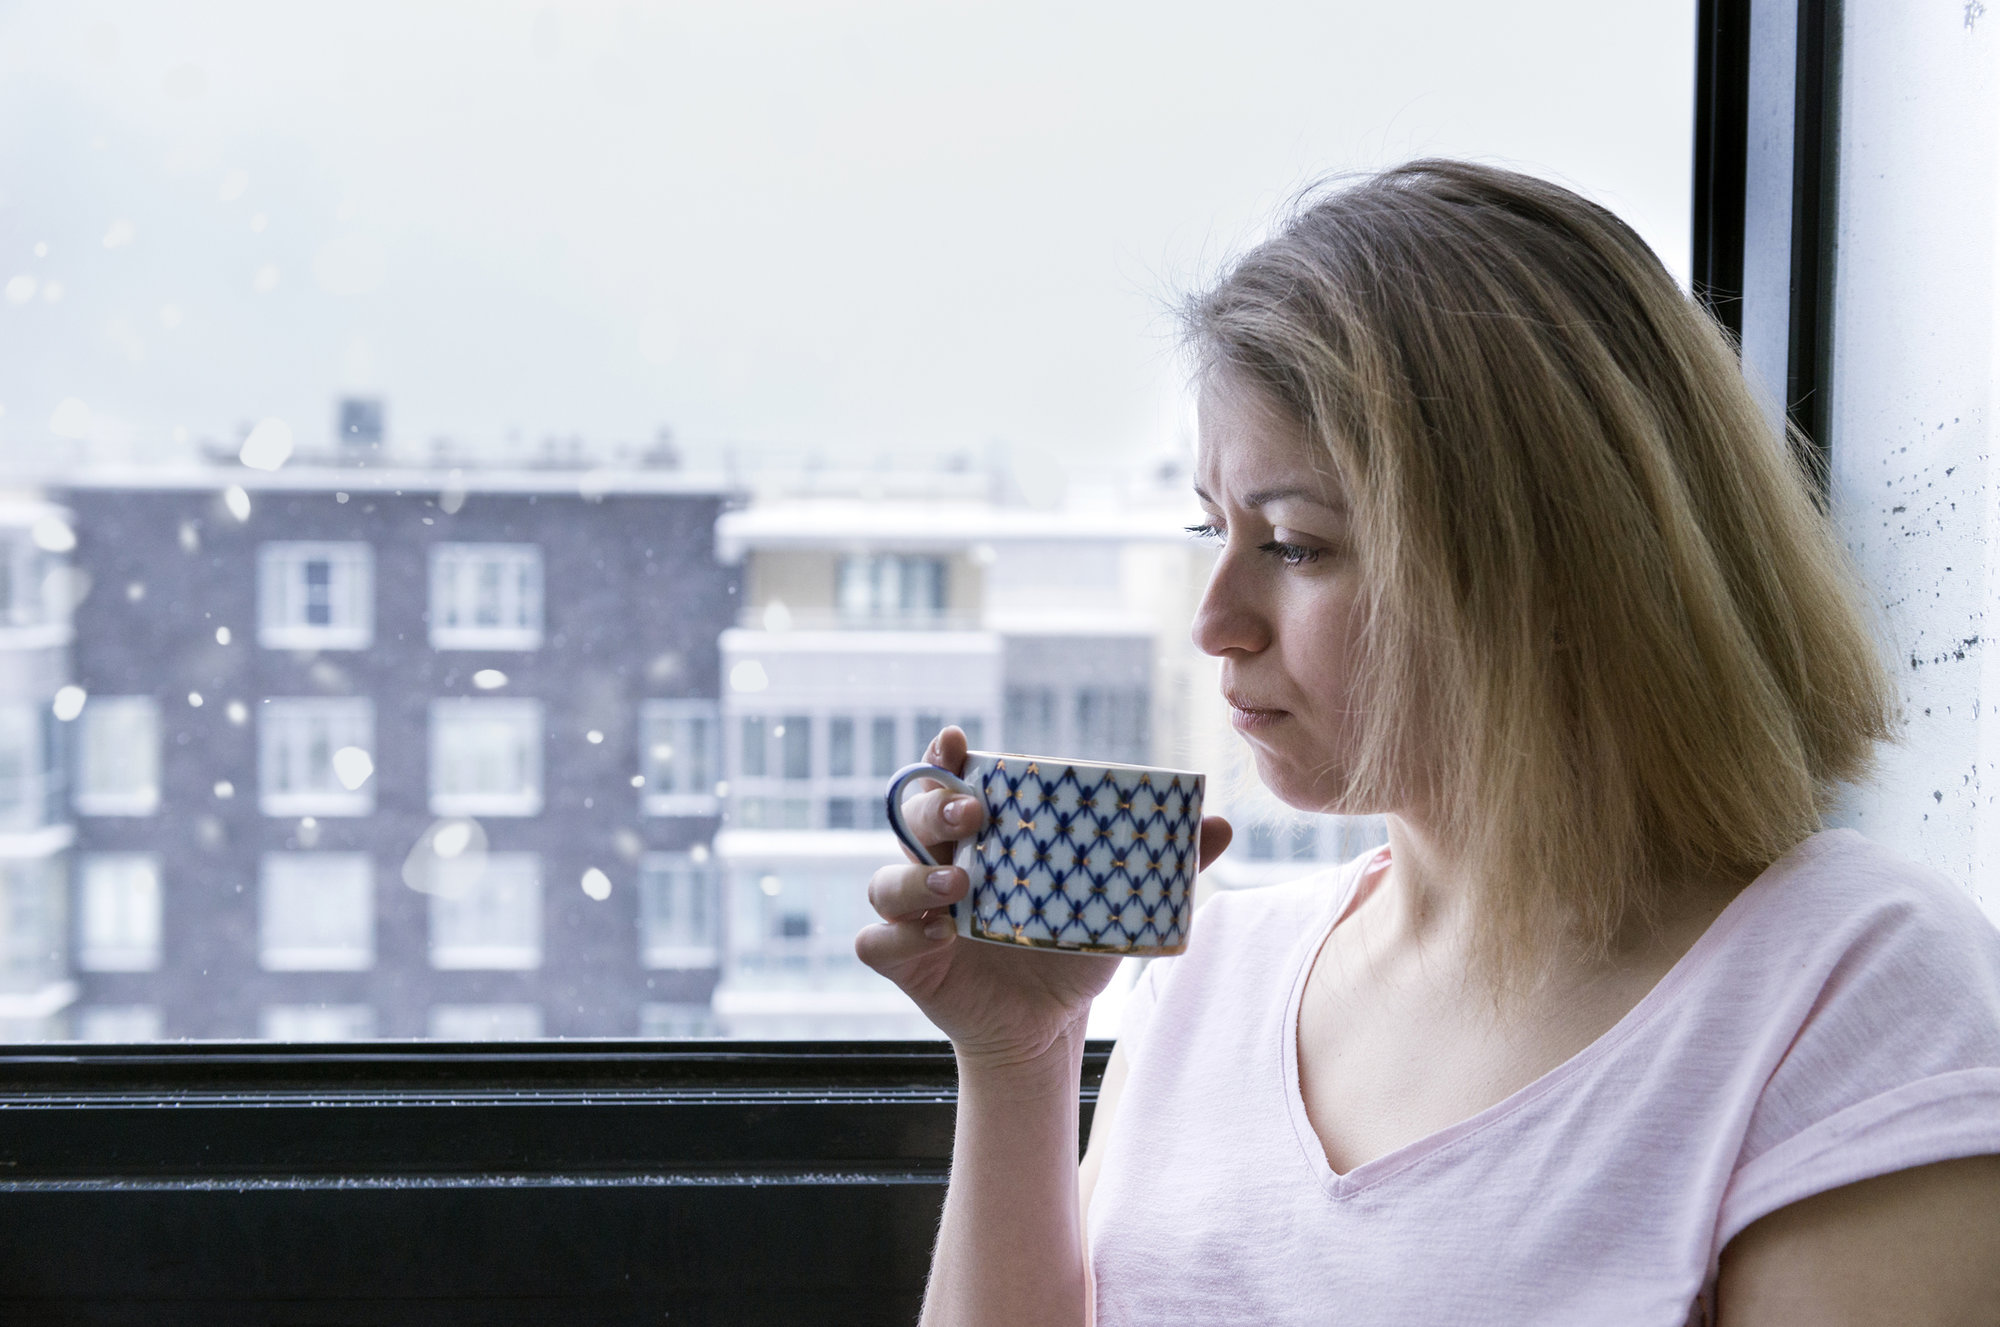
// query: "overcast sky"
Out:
[847,227]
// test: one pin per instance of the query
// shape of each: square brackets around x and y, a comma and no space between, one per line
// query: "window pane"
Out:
[608,495]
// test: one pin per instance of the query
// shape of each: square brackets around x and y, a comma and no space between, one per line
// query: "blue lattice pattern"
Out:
[1083,857]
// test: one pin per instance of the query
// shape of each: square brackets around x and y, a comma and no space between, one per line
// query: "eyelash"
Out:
[1292,555]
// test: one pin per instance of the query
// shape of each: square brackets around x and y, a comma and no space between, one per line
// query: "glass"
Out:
[386,578]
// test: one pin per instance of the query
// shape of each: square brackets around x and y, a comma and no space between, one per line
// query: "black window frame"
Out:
[616,1181]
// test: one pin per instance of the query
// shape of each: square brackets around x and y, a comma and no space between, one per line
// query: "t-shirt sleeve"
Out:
[1897,1063]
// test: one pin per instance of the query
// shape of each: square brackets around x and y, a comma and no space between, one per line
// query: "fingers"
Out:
[942,816]
[947,749]
[1215,836]
[888,946]
[898,893]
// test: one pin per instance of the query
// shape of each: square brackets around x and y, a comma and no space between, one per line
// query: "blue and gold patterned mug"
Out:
[1077,857]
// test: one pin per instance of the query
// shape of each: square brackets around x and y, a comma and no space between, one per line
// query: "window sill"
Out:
[481,638]
[315,638]
[289,806]
[486,804]
[680,804]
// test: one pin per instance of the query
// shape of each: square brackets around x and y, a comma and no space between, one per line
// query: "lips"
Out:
[1247,716]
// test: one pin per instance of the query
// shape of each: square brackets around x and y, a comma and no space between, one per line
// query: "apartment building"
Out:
[383,752]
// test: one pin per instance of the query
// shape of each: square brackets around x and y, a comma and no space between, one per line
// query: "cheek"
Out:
[1331,651]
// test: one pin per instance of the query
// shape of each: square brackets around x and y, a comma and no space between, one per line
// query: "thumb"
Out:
[1216,834]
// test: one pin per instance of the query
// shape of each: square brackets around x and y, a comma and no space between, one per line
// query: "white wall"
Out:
[1916,481]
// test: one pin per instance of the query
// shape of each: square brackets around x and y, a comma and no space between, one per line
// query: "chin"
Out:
[1317,793]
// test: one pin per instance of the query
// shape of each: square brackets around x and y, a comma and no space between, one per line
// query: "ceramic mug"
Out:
[1077,857]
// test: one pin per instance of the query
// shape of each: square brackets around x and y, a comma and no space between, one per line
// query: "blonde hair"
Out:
[1610,631]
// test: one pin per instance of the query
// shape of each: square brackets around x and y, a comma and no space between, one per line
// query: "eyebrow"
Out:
[1263,497]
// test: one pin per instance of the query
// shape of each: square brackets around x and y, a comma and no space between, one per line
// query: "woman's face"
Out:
[1284,609]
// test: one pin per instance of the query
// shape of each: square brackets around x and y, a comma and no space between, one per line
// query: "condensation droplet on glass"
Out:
[770,885]
[22,288]
[638,780]
[238,712]
[135,592]
[777,617]
[596,884]
[194,699]
[452,838]
[52,292]
[489,679]
[237,501]
[593,737]
[120,233]
[340,497]
[748,675]
[41,248]
[451,498]
[698,854]
[69,702]
[191,537]
[225,789]
[222,635]
[265,279]
[722,787]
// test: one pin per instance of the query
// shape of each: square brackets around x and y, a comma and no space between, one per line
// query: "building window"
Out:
[315,756]
[119,912]
[486,757]
[1112,723]
[24,572]
[31,768]
[678,750]
[840,747]
[486,597]
[315,596]
[884,755]
[662,1021]
[118,1023]
[32,943]
[118,756]
[1031,721]
[317,1022]
[753,746]
[316,912]
[794,735]
[487,913]
[485,1022]
[891,589]
[1294,841]
[678,911]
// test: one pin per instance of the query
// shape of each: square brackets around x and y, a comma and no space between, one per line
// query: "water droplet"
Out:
[22,288]
[236,500]
[69,702]
[770,885]
[135,592]
[596,884]
[191,533]
[489,679]
[352,766]
[52,292]
[265,279]
[638,780]
[225,789]
[748,675]
[452,839]
[194,699]
[238,712]
[593,737]
[699,853]
[222,635]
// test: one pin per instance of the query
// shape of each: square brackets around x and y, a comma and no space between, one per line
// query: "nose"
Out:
[1230,619]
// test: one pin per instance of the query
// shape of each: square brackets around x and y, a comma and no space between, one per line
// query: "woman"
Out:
[1609,1032]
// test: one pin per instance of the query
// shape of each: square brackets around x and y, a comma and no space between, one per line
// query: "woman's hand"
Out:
[998,1005]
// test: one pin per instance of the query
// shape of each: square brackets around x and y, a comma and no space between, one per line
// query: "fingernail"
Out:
[939,881]
[937,928]
[959,811]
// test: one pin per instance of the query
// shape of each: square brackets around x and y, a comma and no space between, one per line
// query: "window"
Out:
[30,771]
[316,1022]
[885,757]
[486,597]
[678,910]
[1031,721]
[316,912]
[678,754]
[891,589]
[118,756]
[487,913]
[753,747]
[794,732]
[315,756]
[314,596]
[119,911]
[485,1022]
[1112,724]
[486,757]
[840,747]
[118,1022]
[32,943]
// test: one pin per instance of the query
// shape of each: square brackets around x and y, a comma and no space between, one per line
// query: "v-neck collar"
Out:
[1345,1184]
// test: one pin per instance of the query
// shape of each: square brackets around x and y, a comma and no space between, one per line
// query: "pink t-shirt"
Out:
[1840,1020]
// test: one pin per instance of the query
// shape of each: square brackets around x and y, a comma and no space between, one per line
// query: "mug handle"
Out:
[902,776]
